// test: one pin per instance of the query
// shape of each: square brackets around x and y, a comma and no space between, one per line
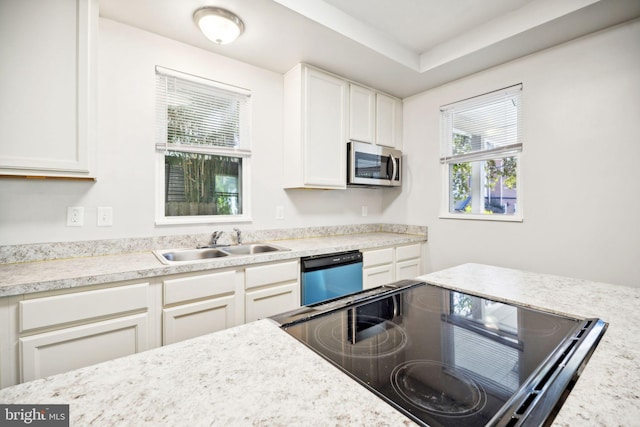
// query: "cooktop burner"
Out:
[446,358]
[438,388]
[382,338]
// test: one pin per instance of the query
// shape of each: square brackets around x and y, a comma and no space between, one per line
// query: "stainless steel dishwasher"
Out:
[330,276]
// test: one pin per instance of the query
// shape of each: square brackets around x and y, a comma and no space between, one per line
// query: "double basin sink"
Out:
[172,256]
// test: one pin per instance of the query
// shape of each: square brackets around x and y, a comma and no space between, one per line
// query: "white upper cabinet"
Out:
[374,117]
[47,86]
[315,129]
[388,121]
[362,113]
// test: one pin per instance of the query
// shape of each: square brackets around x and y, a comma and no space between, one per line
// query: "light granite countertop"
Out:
[256,374]
[39,276]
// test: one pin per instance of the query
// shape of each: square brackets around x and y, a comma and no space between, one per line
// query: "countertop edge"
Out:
[42,276]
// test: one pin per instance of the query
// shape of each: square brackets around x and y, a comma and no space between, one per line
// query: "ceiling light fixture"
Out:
[218,25]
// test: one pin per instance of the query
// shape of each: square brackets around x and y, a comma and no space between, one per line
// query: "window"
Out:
[480,156]
[203,141]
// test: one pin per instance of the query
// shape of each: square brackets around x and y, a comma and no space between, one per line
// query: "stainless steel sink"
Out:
[182,255]
[171,256]
[255,248]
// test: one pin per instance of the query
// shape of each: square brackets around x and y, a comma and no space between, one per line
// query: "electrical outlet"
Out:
[365,210]
[105,216]
[279,212]
[75,216]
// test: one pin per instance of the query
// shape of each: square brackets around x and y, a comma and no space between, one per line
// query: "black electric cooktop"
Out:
[446,358]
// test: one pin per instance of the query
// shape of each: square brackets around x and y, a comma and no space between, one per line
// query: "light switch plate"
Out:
[105,216]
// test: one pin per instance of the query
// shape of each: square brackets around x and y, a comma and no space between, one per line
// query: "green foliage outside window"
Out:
[461,172]
[193,184]
[505,168]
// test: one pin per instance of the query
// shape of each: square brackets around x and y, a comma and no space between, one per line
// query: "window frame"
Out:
[243,152]
[445,202]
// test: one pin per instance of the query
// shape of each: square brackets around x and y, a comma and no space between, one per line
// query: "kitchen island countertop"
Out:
[256,374]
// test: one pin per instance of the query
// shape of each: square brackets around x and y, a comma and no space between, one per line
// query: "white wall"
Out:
[581,186]
[35,211]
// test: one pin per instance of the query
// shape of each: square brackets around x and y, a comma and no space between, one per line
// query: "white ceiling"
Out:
[399,46]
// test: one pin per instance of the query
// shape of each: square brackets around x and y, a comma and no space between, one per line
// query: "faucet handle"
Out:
[238,235]
[215,236]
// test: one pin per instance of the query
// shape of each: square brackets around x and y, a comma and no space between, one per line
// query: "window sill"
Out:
[209,219]
[479,217]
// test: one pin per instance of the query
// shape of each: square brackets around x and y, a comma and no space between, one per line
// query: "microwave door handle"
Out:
[395,167]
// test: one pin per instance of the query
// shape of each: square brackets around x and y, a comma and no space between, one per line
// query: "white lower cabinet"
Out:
[377,267]
[407,269]
[57,331]
[63,332]
[408,261]
[271,289]
[71,348]
[271,301]
[200,304]
[199,318]
[377,276]
[387,265]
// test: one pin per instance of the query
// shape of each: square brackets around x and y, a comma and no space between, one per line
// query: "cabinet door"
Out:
[271,301]
[388,121]
[408,269]
[199,318]
[71,348]
[324,129]
[315,129]
[362,113]
[377,276]
[46,107]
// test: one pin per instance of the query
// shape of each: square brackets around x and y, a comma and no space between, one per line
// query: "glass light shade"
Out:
[218,25]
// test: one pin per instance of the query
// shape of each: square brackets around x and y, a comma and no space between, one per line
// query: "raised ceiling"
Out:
[399,46]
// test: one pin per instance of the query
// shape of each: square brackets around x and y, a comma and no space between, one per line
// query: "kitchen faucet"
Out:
[214,237]
[239,235]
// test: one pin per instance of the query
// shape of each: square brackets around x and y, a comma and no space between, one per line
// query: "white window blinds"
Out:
[489,124]
[197,114]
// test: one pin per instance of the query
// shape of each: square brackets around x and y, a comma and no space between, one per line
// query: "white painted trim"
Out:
[480,217]
[343,23]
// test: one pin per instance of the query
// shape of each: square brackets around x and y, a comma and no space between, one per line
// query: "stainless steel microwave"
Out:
[373,166]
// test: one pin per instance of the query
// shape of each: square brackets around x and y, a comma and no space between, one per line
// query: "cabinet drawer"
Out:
[377,257]
[197,287]
[408,252]
[272,274]
[80,306]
